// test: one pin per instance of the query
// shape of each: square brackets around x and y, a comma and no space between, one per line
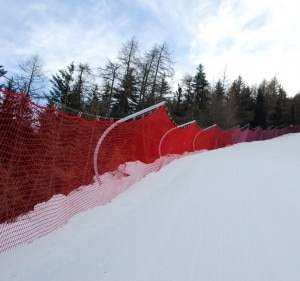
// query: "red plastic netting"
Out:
[207,139]
[43,152]
[53,166]
[48,163]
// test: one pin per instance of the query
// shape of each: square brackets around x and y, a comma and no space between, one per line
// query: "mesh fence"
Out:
[53,166]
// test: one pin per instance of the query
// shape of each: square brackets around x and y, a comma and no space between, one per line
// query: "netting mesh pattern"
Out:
[49,161]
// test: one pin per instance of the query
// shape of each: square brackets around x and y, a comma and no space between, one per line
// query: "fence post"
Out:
[200,133]
[111,127]
[164,136]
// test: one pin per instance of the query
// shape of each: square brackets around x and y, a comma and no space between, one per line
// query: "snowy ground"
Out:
[229,214]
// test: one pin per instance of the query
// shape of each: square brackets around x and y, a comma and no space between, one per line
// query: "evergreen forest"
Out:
[137,80]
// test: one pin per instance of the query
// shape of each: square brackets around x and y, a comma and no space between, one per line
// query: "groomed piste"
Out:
[228,214]
[54,166]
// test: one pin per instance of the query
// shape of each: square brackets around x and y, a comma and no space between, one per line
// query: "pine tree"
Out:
[126,95]
[94,106]
[217,105]
[245,112]
[71,88]
[187,88]
[62,84]
[296,105]
[188,104]
[2,71]
[200,88]
[2,74]
[281,108]
[260,108]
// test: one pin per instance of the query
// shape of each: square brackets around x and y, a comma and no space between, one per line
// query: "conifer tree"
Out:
[2,71]
[146,68]
[200,88]
[126,96]
[217,105]
[260,108]
[62,84]
[296,105]
[163,69]
[31,79]
[281,108]
[94,106]
[71,88]
[233,102]
[110,76]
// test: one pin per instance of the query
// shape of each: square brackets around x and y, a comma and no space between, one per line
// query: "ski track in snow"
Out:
[228,214]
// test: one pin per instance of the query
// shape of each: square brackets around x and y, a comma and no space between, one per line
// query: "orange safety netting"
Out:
[53,166]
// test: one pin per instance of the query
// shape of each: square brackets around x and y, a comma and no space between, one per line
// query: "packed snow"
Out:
[228,214]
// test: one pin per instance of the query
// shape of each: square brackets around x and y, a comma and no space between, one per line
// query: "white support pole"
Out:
[106,132]
[141,112]
[200,133]
[171,130]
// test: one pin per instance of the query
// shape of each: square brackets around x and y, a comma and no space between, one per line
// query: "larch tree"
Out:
[146,69]
[162,72]
[110,75]
[83,83]
[233,101]
[126,96]
[31,79]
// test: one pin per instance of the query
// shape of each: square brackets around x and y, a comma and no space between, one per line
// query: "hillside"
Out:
[227,214]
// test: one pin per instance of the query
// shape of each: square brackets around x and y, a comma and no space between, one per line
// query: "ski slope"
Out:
[228,214]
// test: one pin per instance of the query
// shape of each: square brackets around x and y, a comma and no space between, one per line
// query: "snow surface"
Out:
[228,214]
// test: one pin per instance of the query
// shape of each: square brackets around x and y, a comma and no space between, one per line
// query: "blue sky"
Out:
[252,38]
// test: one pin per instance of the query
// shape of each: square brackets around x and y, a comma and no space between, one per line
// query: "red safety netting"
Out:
[240,136]
[225,138]
[53,166]
[43,152]
[169,142]
[254,135]
[206,139]
[48,163]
